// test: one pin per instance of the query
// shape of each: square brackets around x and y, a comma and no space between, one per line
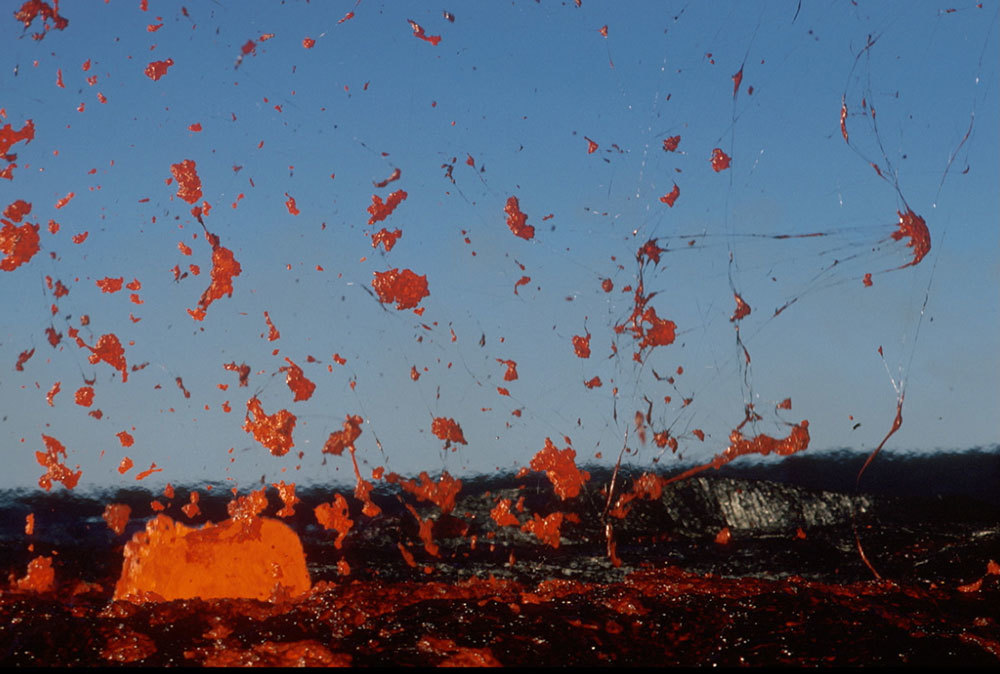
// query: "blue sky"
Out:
[516,87]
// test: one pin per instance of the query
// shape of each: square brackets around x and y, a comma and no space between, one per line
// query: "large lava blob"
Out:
[259,558]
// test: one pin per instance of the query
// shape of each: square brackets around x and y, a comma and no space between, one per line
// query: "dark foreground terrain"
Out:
[787,586]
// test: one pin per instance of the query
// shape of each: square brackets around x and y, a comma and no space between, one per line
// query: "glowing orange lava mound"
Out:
[236,559]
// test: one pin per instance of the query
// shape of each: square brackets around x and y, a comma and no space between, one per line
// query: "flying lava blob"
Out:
[256,558]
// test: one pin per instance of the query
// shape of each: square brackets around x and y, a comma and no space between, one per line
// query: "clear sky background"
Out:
[515,89]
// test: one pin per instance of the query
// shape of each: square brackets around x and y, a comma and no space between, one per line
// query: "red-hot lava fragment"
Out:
[55,470]
[593,383]
[396,173]
[380,210]
[65,200]
[670,144]
[516,220]
[224,269]
[523,281]
[110,350]
[50,396]
[341,440]
[116,516]
[670,198]
[125,438]
[243,557]
[797,441]
[335,516]
[33,8]
[17,210]
[110,285]
[404,288]
[157,69]
[913,227]
[545,529]
[448,430]
[720,160]
[843,119]
[607,285]
[737,80]
[149,471]
[591,146]
[441,493]
[418,31]
[386,238]
[502,515]
[23,358]
[290,204]
[581,346]
[188,182]
[8,137]
[243,370]
[41,577]
[18,244]
[511,373]
[560,467]
[308,42]
[297,382]
[273,431]
[288,498]
[785,404]
[724,536]
[125,465]
[85,396]
[272,332]
[742,309]
[867,280]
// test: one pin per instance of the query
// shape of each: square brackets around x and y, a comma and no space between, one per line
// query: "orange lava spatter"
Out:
[55,470]
[380,210]
[405,288]
[288,498]
[157,69]
[41,577]
[517,220]
[720,160]
[224,269]
[107,349]
[18,244]
[188,182]
[914,228]
[560,467]
[335,517]
[116,516]
[546,529]
[386,238]
[502,515]
[796,441]
[671,197]
[297,382]
[341,440]
[447,429]
[441,493]
[170,561]
[274,431]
